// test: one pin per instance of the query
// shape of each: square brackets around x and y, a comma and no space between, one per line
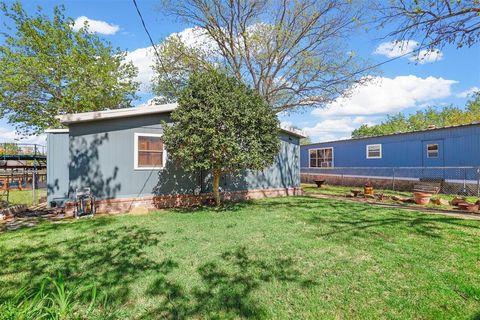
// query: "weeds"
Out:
[52,300]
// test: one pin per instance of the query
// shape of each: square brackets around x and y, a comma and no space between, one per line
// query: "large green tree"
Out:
[47,68]
[422,119]
[294,53]
[221,126]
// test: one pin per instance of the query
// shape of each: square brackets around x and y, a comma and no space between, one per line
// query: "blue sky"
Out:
[400,86]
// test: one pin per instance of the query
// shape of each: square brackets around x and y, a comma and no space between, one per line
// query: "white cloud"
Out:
[427,56]
[468,92]
[196,38]
[332,126]
[10,135]
[335,129]
[143,59]
[383,95]
[396,49]
[407,49]
[370,103]
[96,26]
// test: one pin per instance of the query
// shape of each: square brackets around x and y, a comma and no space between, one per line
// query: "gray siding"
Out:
[102,158]
[57,167]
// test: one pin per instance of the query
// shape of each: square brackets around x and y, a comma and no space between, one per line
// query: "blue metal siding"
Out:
[460,147]
[100,155]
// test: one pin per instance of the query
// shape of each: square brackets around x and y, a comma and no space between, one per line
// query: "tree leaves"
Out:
[47,69]
[220,123]
[221,126]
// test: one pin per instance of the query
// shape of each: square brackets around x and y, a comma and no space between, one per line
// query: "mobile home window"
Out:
[321,158]
[149,151]
[374,151]
[432,150]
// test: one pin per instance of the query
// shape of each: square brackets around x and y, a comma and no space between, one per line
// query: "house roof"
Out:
[138,111]
[398,133]
[116,113]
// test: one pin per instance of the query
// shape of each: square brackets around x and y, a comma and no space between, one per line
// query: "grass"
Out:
[52,300]
[281,258]
[24,196]
[343,190]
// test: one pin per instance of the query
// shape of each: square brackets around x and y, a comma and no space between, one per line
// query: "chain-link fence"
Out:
[450,180]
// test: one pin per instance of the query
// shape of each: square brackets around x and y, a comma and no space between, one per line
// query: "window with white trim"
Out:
[321,158]
[374,151]
[149,151]
[432,150]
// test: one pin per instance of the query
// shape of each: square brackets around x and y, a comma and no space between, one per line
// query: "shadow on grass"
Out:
[91,252]
[228,206]
[226,290]
[45,226]
[111,259]
[339,217]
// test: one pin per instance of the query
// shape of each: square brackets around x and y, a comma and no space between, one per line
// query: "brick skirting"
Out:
[145,204]
[338,180]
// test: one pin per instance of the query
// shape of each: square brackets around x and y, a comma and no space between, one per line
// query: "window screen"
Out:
[374,151]
[321,158]
[149,152]
[432,150]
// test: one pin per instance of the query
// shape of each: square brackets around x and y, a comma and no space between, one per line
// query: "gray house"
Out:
[116,153]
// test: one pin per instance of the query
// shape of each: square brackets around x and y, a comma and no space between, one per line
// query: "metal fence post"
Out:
[478,182]
[393,179]
[34,183]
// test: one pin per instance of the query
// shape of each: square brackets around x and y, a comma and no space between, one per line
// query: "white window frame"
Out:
[316,149]
[379,145]
[438,150]
[135,149]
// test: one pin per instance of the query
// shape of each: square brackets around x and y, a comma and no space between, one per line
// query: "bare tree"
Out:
[435,22]
[292,52]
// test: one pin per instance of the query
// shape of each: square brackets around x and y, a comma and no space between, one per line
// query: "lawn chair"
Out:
[84,203]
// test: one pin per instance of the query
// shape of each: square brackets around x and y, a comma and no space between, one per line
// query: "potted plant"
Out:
[368,189]
[422,198]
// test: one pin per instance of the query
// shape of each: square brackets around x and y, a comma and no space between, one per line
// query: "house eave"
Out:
[67,119]
[116,113]
[57,130]
[293,131]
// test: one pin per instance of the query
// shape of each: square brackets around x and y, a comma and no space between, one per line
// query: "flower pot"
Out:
[368,190]
[422,197]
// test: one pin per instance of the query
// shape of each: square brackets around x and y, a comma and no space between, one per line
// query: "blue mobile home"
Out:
[449,153]
[120,156]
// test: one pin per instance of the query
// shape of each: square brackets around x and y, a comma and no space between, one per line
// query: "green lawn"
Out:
[24,196]
[281,258]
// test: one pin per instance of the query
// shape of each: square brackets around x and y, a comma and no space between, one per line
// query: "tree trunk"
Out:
[216,187]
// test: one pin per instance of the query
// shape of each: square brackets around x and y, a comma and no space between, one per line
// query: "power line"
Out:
[146,29]
[151,41]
